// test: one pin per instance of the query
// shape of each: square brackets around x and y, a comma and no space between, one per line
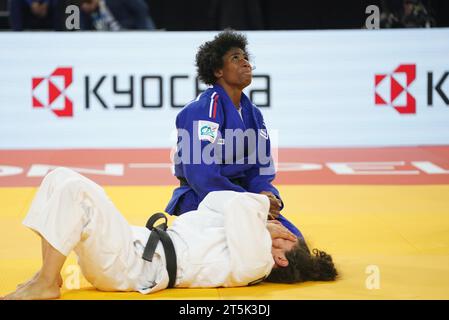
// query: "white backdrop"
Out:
[321,87]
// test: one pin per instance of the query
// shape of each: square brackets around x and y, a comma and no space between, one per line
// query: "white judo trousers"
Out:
[73,213]
[223,243]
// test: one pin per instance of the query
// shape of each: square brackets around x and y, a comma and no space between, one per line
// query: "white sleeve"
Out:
[248,240]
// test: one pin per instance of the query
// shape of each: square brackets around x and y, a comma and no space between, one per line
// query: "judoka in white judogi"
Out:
[223,243]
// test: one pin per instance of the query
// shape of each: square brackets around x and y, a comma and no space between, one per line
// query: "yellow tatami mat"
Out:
[388,242]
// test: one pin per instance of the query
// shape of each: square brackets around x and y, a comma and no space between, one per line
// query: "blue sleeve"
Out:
[202,174]
[259,178]
[257,182]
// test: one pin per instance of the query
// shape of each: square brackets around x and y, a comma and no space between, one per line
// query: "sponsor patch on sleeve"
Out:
[207,130]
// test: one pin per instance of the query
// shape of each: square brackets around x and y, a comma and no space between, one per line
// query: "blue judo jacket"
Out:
[210,155]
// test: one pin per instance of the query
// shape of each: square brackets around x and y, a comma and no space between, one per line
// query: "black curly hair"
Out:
[303,266]
[209,57]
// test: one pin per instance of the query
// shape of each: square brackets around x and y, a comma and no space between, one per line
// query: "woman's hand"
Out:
[277,230]
[275,205]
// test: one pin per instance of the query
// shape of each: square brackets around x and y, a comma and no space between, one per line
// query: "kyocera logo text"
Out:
[394,89]
[50,92]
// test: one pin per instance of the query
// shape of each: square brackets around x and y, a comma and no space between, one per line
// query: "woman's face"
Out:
[236,71]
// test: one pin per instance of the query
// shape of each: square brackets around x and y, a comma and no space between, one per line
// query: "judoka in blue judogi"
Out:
[210,154]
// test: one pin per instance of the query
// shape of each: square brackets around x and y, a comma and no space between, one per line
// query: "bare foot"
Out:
[21,285]
[37,289]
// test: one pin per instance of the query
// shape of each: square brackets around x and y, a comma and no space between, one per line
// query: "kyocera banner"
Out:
[316,88]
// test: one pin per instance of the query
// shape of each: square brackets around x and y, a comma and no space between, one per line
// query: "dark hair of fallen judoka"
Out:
[209,57]
[304,266]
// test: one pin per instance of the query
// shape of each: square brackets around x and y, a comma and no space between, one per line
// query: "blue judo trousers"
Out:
[208,126]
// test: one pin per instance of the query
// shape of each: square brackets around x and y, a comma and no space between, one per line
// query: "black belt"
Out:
[183,181]
[159,233]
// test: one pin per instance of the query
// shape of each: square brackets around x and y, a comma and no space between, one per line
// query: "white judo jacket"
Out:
[223,243]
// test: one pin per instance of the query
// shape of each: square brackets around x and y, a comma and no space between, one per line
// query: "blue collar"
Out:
[244,100]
